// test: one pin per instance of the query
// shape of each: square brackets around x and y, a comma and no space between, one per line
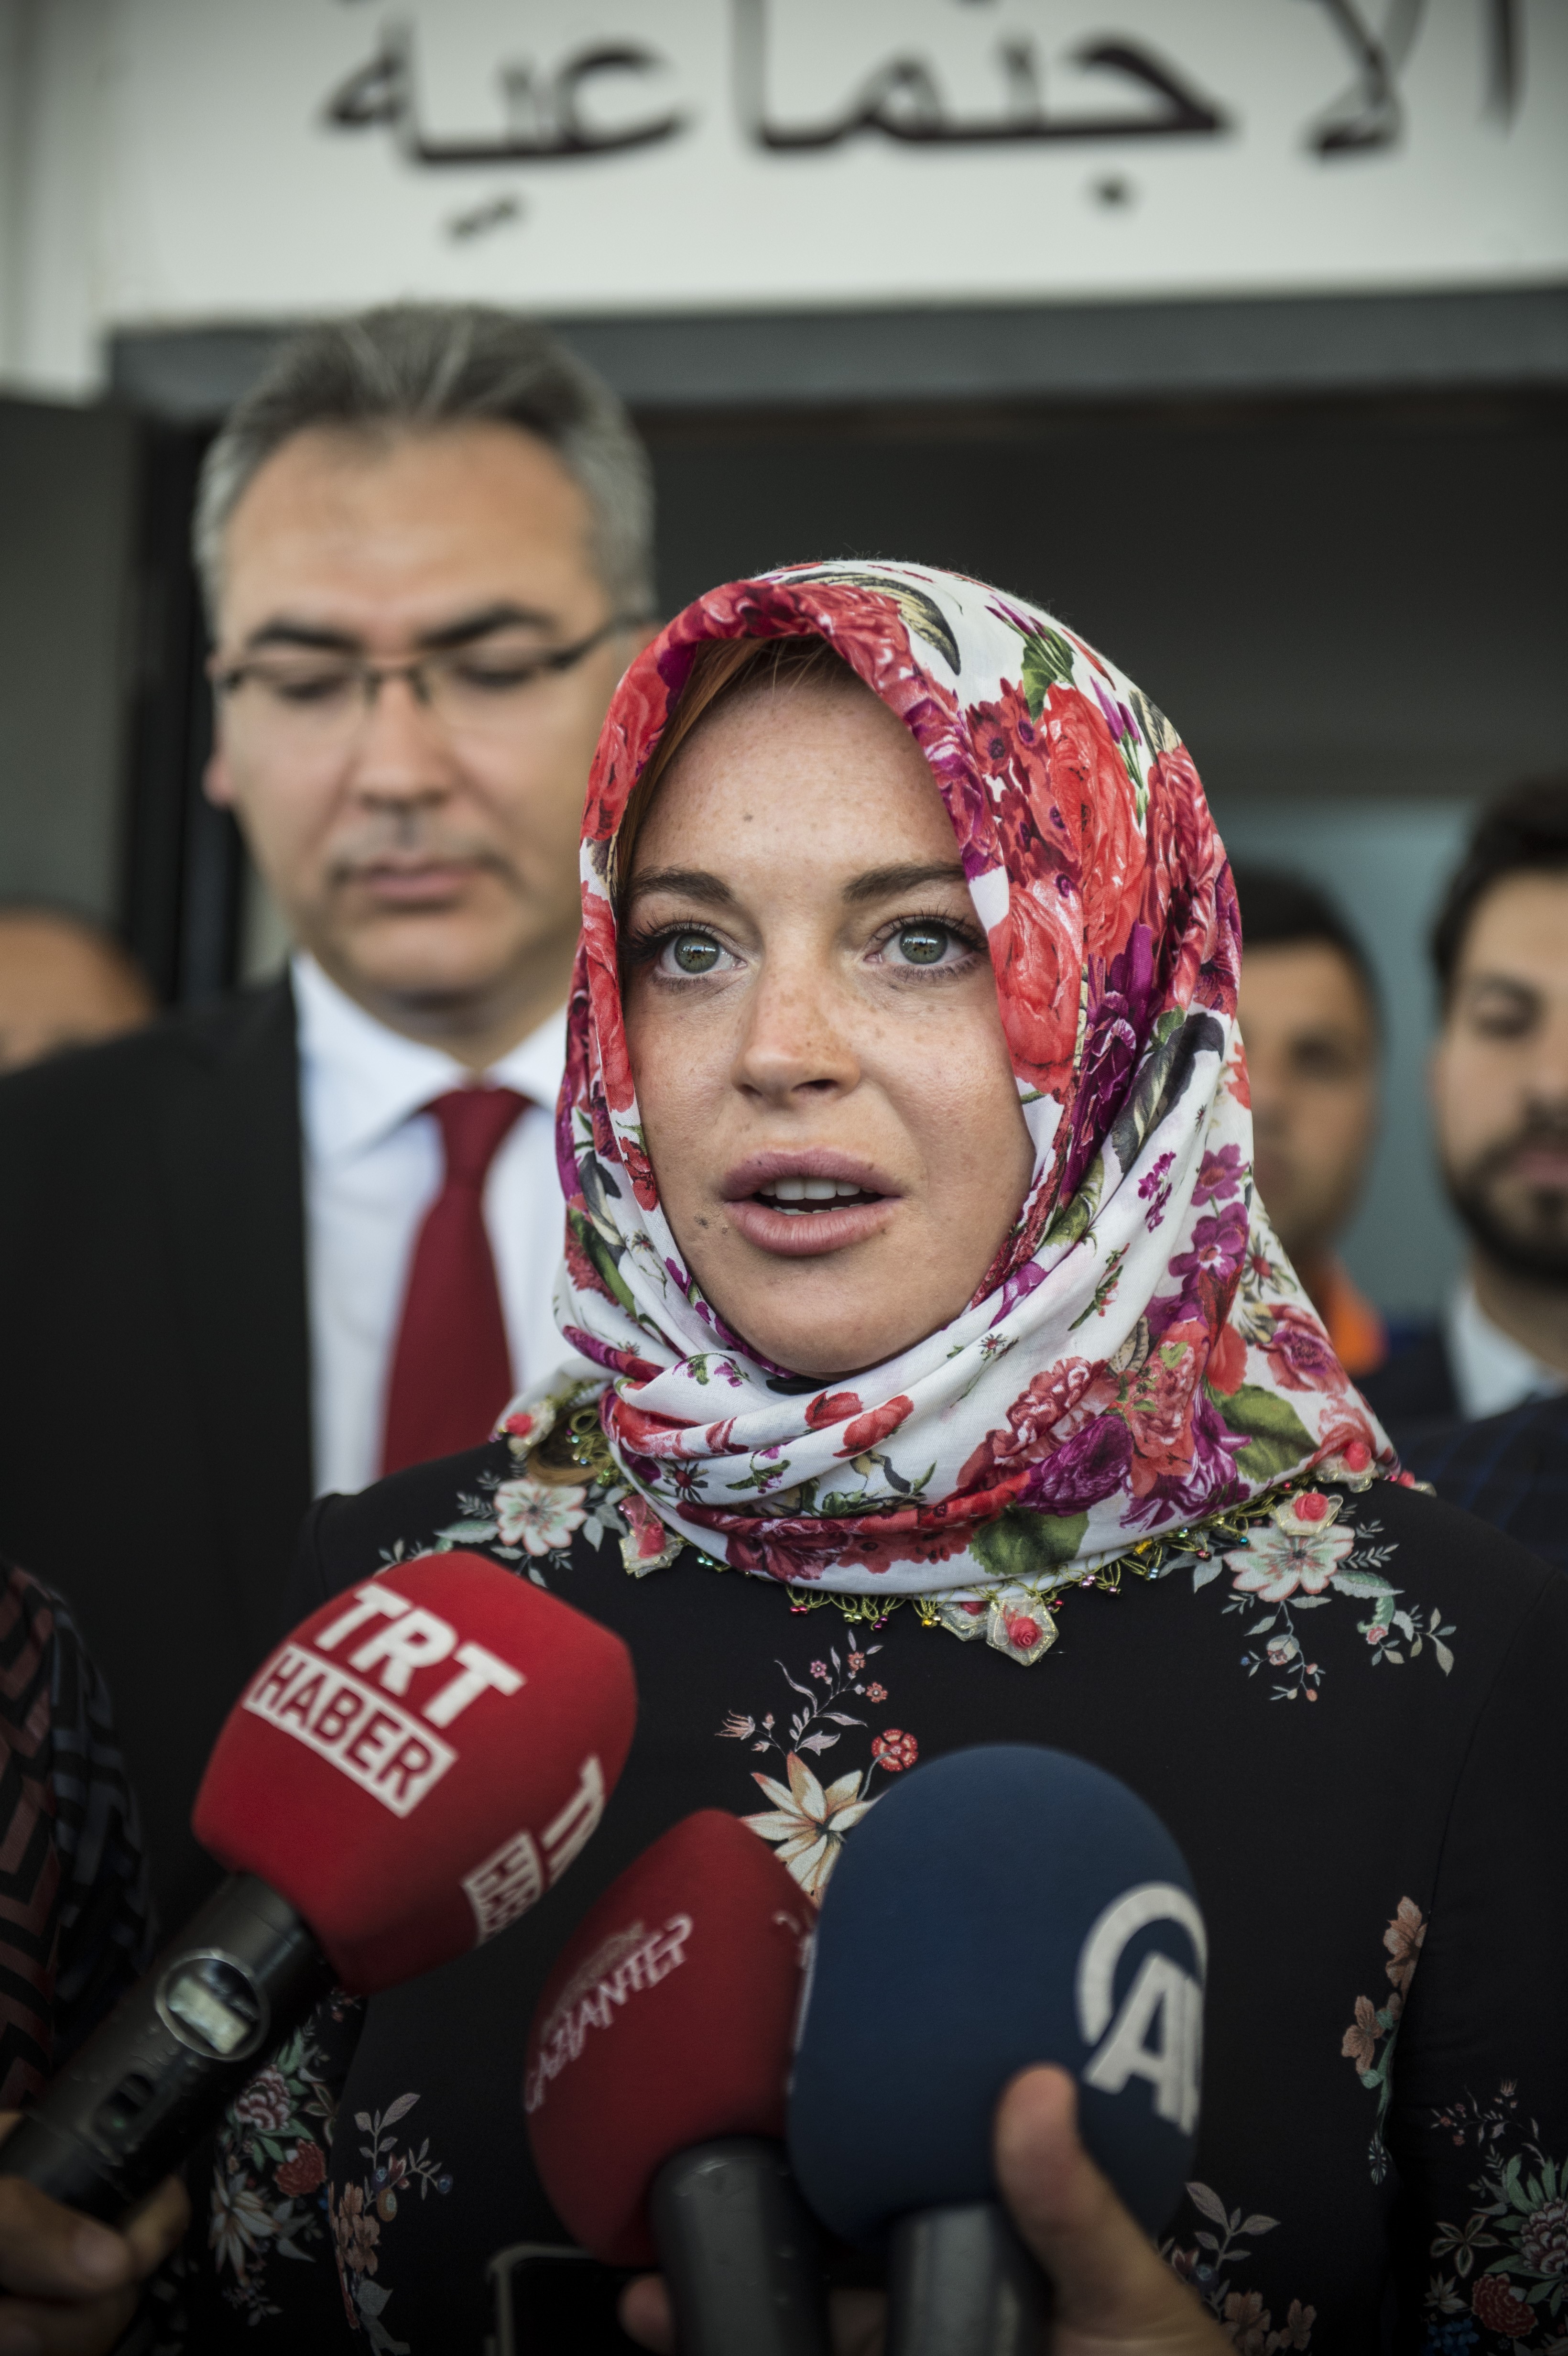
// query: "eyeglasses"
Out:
[317,696]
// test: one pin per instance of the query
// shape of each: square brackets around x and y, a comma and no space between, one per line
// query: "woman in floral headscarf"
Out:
[914,1278]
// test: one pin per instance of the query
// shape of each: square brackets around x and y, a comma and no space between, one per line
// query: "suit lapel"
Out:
[233,1190]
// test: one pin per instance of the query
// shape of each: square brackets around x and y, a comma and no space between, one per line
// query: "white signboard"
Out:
[262,158]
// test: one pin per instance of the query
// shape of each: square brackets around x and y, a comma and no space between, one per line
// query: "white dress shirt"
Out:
[1492,1372]
[373,1166]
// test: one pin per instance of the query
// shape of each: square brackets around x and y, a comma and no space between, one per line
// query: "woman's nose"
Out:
[794,1036]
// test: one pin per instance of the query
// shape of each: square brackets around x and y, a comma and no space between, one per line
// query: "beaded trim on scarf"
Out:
[560,1441]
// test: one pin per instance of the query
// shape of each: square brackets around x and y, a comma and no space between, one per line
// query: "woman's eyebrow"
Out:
[883,882]
[690,882]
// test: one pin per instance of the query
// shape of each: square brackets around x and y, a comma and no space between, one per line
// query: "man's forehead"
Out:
[1307,977]
[384,540]
[1519,932]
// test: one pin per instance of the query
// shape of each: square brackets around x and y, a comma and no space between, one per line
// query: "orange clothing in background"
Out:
[1355,1328]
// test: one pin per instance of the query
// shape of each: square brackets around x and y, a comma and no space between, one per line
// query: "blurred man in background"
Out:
[64,983]
[1499,1100]
[1310,1024]
[286,1243]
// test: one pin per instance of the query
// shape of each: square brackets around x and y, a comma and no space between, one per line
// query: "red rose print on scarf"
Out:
[1057,1402]
[1038,958]
[1227,1367]
[867,1429]
[1090,789]
[640,1171]
[1157,1406]
[1009,745]
[1187,880]
[832,1407]
[1350,1434]
[642,706]
[598,952]
[580,1266]
[1300,1355]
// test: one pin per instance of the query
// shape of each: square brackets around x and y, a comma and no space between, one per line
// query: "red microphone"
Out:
[410,1771]
[654,2087]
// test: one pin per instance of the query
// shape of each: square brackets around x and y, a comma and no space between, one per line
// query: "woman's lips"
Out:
[806,1234]
[779,1201]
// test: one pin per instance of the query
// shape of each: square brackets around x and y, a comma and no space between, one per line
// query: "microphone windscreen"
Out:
[420,1761]
[667,2022]
[1000,1907]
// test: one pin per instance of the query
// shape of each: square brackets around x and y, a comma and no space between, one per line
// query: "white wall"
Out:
[174,161]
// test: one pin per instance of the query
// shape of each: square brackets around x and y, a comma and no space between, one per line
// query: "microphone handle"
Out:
[960,2283]
[740,2251]
[154,2078]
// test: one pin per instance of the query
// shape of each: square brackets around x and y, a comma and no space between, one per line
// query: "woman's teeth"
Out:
[796,1197]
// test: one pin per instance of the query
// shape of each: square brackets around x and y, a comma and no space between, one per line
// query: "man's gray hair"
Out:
[415,367]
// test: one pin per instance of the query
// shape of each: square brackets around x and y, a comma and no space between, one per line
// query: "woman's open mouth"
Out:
[808,1197]
[801,1205]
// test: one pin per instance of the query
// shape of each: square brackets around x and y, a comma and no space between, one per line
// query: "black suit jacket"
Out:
[1509,1470]
[155,1393]
[1414,1388]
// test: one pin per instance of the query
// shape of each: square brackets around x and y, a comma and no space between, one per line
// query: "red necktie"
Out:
[451,1370]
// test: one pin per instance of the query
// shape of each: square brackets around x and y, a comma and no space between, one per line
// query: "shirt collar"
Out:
[1492,1372]
[360,1080]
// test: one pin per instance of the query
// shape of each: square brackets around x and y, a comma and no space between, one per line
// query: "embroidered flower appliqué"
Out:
[538,1517]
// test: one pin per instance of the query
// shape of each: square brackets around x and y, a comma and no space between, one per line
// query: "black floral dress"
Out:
[1350,1718]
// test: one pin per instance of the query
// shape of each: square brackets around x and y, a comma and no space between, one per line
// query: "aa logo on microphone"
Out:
[1157,2032]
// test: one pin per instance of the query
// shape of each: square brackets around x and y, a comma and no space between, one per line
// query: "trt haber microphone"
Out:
[998,1908]
[408,1772]
[654,2088]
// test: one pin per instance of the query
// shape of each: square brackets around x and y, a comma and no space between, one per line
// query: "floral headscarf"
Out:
[1140,1355]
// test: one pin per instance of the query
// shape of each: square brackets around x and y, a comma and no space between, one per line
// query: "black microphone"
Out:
[1000,1907]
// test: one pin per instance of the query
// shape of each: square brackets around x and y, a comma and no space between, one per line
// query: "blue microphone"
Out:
[999,1908]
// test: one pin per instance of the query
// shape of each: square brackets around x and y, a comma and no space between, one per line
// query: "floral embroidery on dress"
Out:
[1288,1561]
[270,2167]
[807,1822]
[1248,2325]
[532,1521]
[1516,2299]
[358,2213]
[1374,2023]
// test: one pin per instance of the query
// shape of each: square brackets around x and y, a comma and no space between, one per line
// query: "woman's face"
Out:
[813,1032]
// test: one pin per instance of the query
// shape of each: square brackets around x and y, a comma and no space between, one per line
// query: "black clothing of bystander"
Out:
[153,1301]
[1413,1387]
[1509,1470]
[75,1921]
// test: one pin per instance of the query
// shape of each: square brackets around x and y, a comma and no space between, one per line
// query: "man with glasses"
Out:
[283,1244]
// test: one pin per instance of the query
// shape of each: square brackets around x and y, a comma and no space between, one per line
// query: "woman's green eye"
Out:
[694,953]
[923,944]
